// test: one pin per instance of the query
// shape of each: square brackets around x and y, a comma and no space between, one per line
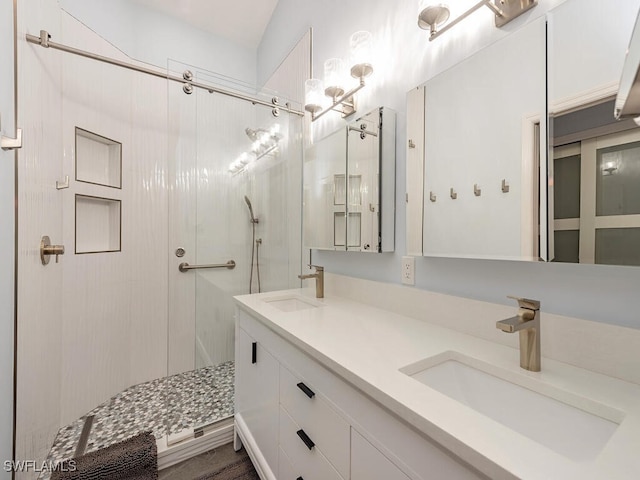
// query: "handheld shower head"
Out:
[253,219]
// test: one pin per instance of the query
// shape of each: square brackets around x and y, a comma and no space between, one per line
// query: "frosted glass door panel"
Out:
[567,246]
[618,180]
[597,199]
[566,187]
[618,246]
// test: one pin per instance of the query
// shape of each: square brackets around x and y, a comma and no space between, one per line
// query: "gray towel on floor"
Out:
[133,459]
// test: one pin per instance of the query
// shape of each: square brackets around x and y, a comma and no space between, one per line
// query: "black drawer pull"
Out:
[254,352]
[307,391]
[305,438]
[299,478]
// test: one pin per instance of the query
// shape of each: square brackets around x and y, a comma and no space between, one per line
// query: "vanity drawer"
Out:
[286,470]
[311,410]
[306,461]
[368,463]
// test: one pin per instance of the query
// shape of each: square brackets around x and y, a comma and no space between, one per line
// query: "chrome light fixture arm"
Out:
[346,101]
[505,10]
[334,76]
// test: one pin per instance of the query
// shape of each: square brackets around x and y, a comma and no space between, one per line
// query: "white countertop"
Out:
[367,346]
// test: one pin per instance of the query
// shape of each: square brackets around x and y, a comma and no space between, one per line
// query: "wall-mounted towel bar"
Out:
[185,267]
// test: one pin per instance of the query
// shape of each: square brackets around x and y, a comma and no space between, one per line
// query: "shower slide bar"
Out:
[44,41]
[185,267]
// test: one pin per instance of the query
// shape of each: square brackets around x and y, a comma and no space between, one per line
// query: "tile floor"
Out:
[164,406]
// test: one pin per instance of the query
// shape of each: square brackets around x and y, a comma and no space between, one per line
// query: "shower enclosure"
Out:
[143,184]
[234,171]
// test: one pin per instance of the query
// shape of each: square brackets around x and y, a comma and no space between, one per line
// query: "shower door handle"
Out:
[185,267]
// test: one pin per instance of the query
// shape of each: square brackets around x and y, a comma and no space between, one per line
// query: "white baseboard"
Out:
[220,434]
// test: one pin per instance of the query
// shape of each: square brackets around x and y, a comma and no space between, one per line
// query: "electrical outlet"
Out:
[408,270]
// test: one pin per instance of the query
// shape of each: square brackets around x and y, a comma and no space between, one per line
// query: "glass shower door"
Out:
[234,215]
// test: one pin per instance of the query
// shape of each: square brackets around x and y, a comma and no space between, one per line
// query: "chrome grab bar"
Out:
[185,267]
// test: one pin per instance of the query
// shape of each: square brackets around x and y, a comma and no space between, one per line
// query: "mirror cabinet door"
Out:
[363,196]
[324,193]
[349,187]
[521,145]
[484,128]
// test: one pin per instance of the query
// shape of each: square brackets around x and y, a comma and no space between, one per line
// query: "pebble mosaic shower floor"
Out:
[165,406]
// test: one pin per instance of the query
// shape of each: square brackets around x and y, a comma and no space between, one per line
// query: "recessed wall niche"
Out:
[98,159]
[97,224]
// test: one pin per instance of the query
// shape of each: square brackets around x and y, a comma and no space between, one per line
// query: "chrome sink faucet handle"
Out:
[526,302]
[319,276]
[527,324]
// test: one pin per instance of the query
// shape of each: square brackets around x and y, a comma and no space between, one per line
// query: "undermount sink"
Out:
[575,427]
[291,303]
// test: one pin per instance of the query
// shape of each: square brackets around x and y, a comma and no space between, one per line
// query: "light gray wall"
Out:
[153,37]
[7,246]
[405,59]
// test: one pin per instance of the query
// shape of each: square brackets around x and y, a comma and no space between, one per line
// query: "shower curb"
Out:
[220,434]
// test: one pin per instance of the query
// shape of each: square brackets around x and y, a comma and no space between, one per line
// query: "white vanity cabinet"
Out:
[319,427]
[257,397]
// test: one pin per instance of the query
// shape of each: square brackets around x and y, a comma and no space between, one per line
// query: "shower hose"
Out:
[255,249]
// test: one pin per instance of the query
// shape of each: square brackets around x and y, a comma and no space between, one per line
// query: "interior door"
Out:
[597,200]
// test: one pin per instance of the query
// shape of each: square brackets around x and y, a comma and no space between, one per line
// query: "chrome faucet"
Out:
[527,323]
[319,276]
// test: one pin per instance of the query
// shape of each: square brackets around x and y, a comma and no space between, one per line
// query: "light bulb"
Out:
[361,54]
[313,95]
[334,74]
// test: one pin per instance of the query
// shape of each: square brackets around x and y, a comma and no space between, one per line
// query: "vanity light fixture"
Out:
[335,80]
[610,162]
[609,168]
[433,16]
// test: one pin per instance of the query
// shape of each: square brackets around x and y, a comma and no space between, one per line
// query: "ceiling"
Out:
[240,21]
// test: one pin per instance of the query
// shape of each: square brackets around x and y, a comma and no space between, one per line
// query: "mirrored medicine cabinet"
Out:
[515,153]
[349,186]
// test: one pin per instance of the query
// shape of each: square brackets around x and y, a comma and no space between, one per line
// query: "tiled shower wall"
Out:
[114,315]
[289,79]
[93,324]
